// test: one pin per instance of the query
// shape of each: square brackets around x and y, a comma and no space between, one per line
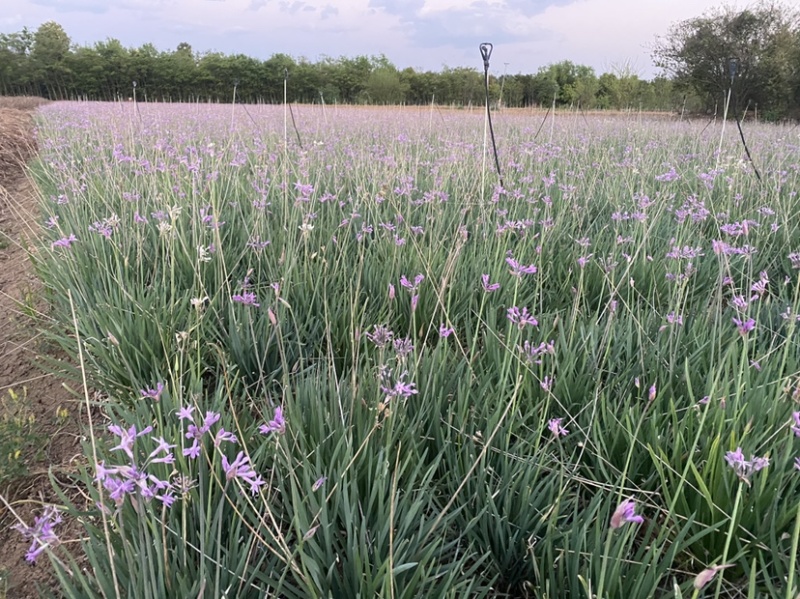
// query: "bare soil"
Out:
[55,408]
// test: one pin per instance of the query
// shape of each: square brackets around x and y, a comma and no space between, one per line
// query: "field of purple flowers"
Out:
[343,362]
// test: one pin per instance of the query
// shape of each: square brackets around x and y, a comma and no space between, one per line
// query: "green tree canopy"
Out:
[763,39]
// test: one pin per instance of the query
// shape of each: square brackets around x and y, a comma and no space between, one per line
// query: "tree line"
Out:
[695,55]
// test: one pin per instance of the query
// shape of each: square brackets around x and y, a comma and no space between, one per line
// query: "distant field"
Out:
[372,371]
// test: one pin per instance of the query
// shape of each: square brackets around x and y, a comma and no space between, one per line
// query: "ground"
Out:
[49,398]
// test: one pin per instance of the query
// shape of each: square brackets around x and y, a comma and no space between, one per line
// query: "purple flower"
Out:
[127,437]
[166,498]
[521,317]
[554,424]
[318,483]
[154,394]
[276,425]
[625,512]
[744,326]
[41,533]
[518,269]
[186,413]
[688,252]
[670,175]
[740,302]
[161,447]
[489,287]
[533,353]
[445,331]
[195,432]
[223,435]
[210,419]
[412,287]
[707,576]
[381,336]
[673,318]
[247,298]
[192,452]
[400,388]
[64,242]
[796,425]
[744,469]
[403,347]
[240,468]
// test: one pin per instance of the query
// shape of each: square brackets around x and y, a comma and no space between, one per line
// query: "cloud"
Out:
[328,11]
[434,23]
[92,6]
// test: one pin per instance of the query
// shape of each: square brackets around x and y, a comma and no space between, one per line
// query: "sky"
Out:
[608,35]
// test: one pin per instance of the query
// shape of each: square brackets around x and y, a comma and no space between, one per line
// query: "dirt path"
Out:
[50,442]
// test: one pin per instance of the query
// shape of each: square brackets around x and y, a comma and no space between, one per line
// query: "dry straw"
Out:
[17,139]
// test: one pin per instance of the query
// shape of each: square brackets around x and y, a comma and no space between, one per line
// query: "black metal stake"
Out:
[733,67]
[486,54]
[291,113]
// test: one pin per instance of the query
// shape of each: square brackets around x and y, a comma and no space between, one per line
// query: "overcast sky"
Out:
[427,34]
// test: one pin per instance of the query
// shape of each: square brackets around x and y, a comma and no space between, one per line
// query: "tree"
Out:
[15,71]
[697,53]
[48,57]
[570,83]
[384,86]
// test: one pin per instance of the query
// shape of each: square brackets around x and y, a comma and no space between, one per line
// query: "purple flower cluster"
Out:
[41,533]
[381,336]
[532,354]
[521,318]
[276,425]
[196,433]
[554,424]
[64,242]
[744,469]
[240,467]
[131,478]
[399,388]
[247,298]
